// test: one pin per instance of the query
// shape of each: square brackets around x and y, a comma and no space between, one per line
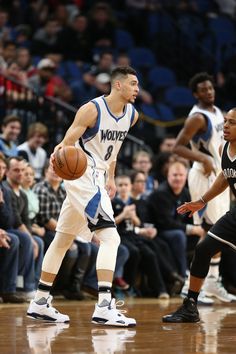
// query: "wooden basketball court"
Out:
[216,333]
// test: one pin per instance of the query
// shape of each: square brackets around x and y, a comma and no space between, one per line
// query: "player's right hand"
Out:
[191,207]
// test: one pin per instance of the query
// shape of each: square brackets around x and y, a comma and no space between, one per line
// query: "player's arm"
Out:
[110,184]
[217,188]
[85,118]
[135,118]
[194,124]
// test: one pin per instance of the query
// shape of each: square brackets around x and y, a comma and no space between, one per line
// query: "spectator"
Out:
[33,202]
[142,161]
[15,172]
[99,75]
[101,26]
[9,258]
[172,227]
[167,143]
[22,253]
[74,40]
[32,151]
[11,128]
[5,30]
[45,38]
[173,281]
[23,59]
[45,82]
[140,252]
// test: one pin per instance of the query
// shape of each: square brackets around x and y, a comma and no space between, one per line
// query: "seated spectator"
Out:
[74,40]
[33,202]
[9,259]
[142,161]
[102,26]
[99,75]
[15,172]
[172,279]
[11,128]
[45,38]
[21,256]
[167,143]
[45,82]
[32,151]
[23,59]
[173,228]
[140,251]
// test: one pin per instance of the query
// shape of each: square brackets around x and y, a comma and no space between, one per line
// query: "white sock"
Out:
[214,268]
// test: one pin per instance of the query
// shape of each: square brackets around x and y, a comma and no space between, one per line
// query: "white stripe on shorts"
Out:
[230,244]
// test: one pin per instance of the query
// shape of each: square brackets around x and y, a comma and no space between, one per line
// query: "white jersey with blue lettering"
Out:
[87,206]
[208,142]
[103,142]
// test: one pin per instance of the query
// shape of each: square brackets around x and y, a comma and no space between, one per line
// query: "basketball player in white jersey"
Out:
[203,130]
[99,128]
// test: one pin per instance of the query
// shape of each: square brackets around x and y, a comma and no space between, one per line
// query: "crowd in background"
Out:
[67,49]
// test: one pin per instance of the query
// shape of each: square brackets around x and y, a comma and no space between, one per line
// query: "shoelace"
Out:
[119,303]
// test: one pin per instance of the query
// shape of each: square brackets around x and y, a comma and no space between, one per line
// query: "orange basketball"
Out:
[70,162]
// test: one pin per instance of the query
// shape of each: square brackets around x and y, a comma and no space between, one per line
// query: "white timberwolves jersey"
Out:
[209,141]
[103,142]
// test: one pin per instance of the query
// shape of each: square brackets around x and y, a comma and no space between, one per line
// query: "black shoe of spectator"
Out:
[187,312]
[13,298]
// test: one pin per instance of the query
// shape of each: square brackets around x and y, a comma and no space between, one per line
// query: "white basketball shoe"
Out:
[43,310]
[109,315]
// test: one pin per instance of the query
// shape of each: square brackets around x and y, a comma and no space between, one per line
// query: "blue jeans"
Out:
[26,259]
[177,241]
[9,259]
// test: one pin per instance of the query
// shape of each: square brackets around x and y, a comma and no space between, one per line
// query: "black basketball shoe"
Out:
[187,312]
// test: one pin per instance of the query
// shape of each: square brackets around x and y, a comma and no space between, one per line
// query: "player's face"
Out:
[129,88]
[230,126]
[205,92]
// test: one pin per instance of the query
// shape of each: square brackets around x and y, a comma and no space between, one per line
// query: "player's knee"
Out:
[109,237]
[63,240]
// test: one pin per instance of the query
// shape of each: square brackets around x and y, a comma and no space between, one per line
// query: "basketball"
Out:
[70,162]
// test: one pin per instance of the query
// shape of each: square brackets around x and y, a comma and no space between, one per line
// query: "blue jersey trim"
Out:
[91,132]
[205,136]
[132,116]
[112,115]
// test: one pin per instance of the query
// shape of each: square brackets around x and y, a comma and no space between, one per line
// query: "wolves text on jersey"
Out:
[113,135]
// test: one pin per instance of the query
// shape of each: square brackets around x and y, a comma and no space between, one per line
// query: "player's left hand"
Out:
[111,188]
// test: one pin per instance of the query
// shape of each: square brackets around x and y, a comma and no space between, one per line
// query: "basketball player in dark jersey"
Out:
[222,234]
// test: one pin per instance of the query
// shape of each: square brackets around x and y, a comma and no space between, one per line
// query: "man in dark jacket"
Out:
[172,227]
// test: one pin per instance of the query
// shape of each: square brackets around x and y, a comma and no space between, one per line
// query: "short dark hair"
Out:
[9,119]
[120,71]
[134,174]
[198,78]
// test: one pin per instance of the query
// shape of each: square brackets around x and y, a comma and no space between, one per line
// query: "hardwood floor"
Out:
[214,334]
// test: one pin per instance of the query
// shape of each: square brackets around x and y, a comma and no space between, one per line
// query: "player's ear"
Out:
[117,85]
